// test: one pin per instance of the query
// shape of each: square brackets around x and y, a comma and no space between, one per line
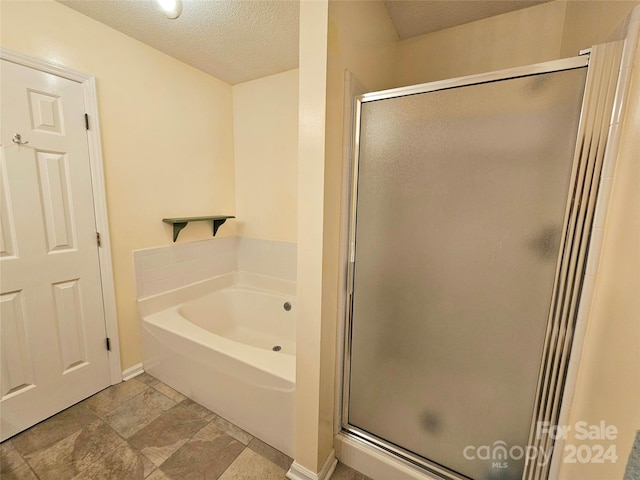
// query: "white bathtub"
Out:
[214,342]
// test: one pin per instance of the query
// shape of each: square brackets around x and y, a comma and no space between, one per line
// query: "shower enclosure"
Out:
[472,202]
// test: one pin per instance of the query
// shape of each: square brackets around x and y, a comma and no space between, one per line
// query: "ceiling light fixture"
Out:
[171,8]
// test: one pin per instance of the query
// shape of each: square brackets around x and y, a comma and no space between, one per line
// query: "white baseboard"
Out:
[131,372]
[298,472]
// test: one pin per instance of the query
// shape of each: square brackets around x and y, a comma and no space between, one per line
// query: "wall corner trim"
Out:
[133,371]
[298,472]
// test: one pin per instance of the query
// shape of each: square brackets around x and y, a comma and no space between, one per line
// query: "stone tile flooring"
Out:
[142,429]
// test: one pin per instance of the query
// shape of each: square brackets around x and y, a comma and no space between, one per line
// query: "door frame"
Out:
[88,83]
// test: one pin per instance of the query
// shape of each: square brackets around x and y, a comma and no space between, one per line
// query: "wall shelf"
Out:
[181,222]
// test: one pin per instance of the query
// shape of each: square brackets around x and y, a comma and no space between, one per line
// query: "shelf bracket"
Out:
[177,227]
[217,223]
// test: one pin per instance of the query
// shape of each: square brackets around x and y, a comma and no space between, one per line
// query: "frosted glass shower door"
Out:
[461,199]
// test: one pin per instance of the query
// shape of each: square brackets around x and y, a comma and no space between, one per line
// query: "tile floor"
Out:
[142,429]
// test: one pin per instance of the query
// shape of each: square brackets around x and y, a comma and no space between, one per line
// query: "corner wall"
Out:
[362,41]
[334,36]
[311,158]
[265,129]
[166,131]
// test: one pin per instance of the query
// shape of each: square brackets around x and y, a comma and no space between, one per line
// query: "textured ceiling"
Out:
[241,40]
[417,17]
[234,41]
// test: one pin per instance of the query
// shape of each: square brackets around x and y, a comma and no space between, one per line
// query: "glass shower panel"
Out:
[461,198]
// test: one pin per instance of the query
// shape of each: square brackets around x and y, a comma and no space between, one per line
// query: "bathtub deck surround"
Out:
[142,429]
[173,266]
[224,334]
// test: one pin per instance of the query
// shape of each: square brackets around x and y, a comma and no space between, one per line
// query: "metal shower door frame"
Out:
[603,65]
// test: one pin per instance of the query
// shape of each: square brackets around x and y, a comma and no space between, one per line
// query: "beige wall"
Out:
[542,33]
[265,129]
[588,23]
[608,382]
[513,39]
[363,40]
[167,136]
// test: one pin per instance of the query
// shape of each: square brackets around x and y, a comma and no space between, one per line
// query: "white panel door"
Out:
[53,350]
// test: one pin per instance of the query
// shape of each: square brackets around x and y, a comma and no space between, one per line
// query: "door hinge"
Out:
[108,344]
[86,121]
[98,239]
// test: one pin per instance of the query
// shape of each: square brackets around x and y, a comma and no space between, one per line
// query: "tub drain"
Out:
[287,306]
[277,348]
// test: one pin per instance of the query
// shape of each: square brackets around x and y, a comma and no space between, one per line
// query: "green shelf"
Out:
[180,223]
